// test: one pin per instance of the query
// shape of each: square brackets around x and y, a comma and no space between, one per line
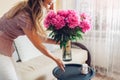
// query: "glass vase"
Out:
[67,56]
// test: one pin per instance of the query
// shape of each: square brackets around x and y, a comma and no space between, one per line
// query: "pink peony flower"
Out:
[84,16]
[58,22]
[63,13]
[48,19]
[85,25]
[73,19]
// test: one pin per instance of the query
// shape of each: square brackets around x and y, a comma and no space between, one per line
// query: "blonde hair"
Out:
[35,9]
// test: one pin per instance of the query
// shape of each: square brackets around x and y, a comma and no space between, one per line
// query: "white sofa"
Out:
[34,64]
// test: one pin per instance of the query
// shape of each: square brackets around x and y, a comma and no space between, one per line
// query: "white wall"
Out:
[5,5]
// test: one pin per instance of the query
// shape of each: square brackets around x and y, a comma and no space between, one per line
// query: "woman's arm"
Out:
[50,41]
[37,42]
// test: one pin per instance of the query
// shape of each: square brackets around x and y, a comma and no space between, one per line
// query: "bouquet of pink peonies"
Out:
[66,25]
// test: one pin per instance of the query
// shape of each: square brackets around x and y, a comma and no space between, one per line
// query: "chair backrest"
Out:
[80,45]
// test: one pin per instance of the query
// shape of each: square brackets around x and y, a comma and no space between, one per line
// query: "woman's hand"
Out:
[51,41]
[60,64]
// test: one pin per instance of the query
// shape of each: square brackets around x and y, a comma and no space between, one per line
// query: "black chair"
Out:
[19,59]
[79,45]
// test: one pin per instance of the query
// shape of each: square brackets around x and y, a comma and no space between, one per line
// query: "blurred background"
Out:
[103,39]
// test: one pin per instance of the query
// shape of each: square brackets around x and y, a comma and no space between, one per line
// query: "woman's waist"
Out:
[6,46]
[7,51]
[4,36]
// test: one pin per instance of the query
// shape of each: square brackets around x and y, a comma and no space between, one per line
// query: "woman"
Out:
[23,19]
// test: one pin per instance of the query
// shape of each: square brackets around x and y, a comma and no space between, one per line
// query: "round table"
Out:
[72,72]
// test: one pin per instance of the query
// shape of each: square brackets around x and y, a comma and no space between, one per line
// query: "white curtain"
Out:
[103,39]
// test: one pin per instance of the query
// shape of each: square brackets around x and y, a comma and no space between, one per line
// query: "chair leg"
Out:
[19,59]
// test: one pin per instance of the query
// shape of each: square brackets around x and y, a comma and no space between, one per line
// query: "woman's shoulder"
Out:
[23,18]
[23,13]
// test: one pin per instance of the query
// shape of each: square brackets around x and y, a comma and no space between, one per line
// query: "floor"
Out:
[101,77]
